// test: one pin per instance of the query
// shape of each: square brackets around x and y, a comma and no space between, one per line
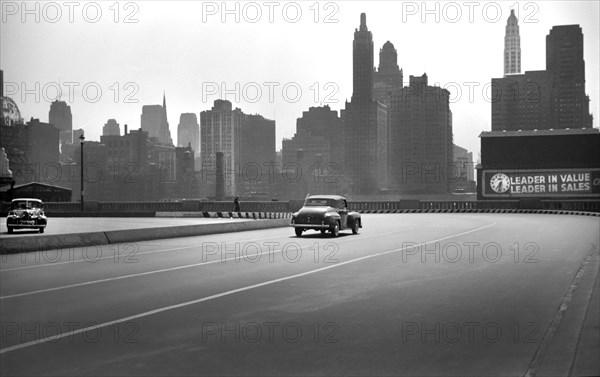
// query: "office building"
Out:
[421,148]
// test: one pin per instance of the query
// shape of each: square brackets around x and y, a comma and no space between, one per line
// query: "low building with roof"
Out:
[545,164]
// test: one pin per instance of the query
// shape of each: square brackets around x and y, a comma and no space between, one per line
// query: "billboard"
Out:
[583,183]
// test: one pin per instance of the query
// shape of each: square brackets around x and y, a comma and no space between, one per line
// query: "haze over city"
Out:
[189,49]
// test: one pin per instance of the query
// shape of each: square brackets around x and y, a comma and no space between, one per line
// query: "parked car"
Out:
[26,213]
[326,213]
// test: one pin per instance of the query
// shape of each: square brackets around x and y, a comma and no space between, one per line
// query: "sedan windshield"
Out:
[320,202]
[26,204]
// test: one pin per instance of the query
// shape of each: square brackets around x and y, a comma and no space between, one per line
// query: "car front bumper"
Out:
[25,224]
[311,226]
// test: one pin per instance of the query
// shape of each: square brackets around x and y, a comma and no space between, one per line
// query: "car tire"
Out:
[323,230]
[355,227]
[298,231]
[335,231]
[41,230]
[10,230]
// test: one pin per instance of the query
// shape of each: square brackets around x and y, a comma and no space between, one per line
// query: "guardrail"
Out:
[149,208]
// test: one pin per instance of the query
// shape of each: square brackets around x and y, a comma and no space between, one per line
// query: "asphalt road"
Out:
[411,294]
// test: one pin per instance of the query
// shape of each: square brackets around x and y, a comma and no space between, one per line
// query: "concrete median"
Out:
[25,244]
[13,245]
[134,235]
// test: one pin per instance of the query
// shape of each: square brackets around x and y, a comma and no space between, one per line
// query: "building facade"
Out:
[521,102]
[154,121]
[550,99]
[389,77]
[33,151]
[111,128]
[220,131]
[188,132]
[365,122]
[421,148]
[566,67]
[542,164]
[512,46]
[61,118]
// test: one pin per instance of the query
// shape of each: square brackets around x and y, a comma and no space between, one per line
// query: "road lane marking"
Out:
[222,260]
[222,294]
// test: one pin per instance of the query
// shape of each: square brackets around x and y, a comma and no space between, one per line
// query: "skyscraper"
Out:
[154,121]
[220,131]
[521,102]
[512,46]
[388,77]
[188,132]
[421,149]
[550,99]
[61,118]
[322,121]
[318,149]
[365,121]
[564,62]
[111,128]
[257,156]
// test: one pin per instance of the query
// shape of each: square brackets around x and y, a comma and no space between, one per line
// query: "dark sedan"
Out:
[26,213]
[326,213]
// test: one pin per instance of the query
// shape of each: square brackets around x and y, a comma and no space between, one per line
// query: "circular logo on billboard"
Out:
[500,183]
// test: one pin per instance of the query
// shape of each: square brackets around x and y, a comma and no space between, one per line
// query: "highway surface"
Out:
[411,294]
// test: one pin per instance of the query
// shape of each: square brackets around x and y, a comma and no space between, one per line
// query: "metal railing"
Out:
[591,205]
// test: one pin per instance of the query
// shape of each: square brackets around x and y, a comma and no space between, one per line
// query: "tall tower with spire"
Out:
[512,46]
[154,121]
[165,132]
[365,122]
[362,53]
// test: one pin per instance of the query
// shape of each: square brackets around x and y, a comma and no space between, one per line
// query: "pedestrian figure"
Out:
[236,203]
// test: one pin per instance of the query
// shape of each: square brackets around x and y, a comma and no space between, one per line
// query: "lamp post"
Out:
[81,139]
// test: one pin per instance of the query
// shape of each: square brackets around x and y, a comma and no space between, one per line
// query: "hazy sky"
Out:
[125,54]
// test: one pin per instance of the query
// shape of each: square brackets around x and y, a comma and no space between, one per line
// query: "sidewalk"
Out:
[586,361]
[572,344]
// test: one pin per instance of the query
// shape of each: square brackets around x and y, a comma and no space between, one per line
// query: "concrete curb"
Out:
[24,244]
[134,235]
[14,245]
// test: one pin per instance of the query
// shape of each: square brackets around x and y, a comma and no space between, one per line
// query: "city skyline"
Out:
[288,58]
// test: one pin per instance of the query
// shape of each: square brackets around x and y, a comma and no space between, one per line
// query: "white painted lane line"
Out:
[223,294]
[222,260]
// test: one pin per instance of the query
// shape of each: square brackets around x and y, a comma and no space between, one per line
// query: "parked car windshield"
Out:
[26,204]
[320,202]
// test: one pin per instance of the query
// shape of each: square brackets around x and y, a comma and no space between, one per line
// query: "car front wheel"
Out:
[10,230]
[41,230]
[298,231]
[335,231]
[355,227]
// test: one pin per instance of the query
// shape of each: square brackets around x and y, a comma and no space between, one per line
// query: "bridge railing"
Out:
[592,205]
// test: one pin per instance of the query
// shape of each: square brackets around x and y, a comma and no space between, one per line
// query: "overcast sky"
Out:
[132,51]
